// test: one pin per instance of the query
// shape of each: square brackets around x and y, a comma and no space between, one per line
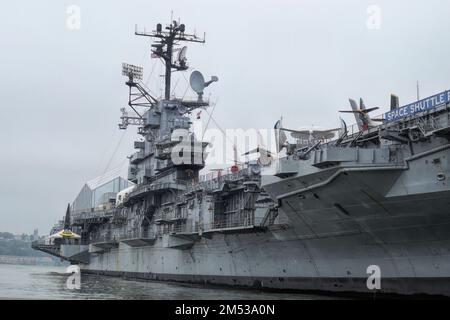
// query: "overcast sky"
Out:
[61,89]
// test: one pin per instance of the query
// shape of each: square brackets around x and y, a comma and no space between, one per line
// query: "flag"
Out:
[198,114]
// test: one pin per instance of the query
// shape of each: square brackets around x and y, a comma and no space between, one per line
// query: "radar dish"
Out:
[182,54]
[197,82]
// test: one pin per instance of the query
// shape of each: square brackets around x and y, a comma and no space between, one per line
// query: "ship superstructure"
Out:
[169,196]
[165,198]
[337,204]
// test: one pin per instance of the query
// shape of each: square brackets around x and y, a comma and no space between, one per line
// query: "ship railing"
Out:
[218,224]
[157,186]
[170,216]
[123,235]
[230,223]
[54,244]
[91,210]
[42,242]
[224,174]
[136,234]
[99,208]
[429,122]
[214,180]
[104,238]
[431,116]
[47,247]
[92,214]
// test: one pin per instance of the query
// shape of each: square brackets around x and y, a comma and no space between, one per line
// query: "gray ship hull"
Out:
[289,259]
[333,234]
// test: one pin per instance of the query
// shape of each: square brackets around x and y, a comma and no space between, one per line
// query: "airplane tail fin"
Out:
[395,103]
[357,114]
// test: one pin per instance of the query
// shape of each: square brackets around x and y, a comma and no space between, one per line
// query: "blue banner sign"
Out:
[419,106]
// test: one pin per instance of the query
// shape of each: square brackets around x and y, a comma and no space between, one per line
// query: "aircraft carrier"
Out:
[331,211]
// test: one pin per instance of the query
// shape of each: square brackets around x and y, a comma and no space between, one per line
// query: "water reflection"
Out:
[39,282]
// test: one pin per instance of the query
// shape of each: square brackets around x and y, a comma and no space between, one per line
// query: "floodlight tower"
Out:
[138,95]
[164,47]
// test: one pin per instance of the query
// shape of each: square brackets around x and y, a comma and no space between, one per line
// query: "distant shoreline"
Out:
[27,260]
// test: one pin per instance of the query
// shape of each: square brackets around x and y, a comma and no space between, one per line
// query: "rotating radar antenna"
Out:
[164,48]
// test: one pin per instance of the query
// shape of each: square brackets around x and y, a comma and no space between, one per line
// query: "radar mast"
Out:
[163,48]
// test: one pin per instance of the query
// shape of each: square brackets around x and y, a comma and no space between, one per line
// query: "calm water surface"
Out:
[42,282]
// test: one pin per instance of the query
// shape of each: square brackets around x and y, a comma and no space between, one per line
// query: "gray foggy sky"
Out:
[61,90]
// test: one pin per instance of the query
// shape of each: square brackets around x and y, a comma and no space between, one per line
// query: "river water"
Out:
[43,282]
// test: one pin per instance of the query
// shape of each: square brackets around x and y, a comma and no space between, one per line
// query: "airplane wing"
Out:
[350,111]
[258,150]
[370,109]
[360,110]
